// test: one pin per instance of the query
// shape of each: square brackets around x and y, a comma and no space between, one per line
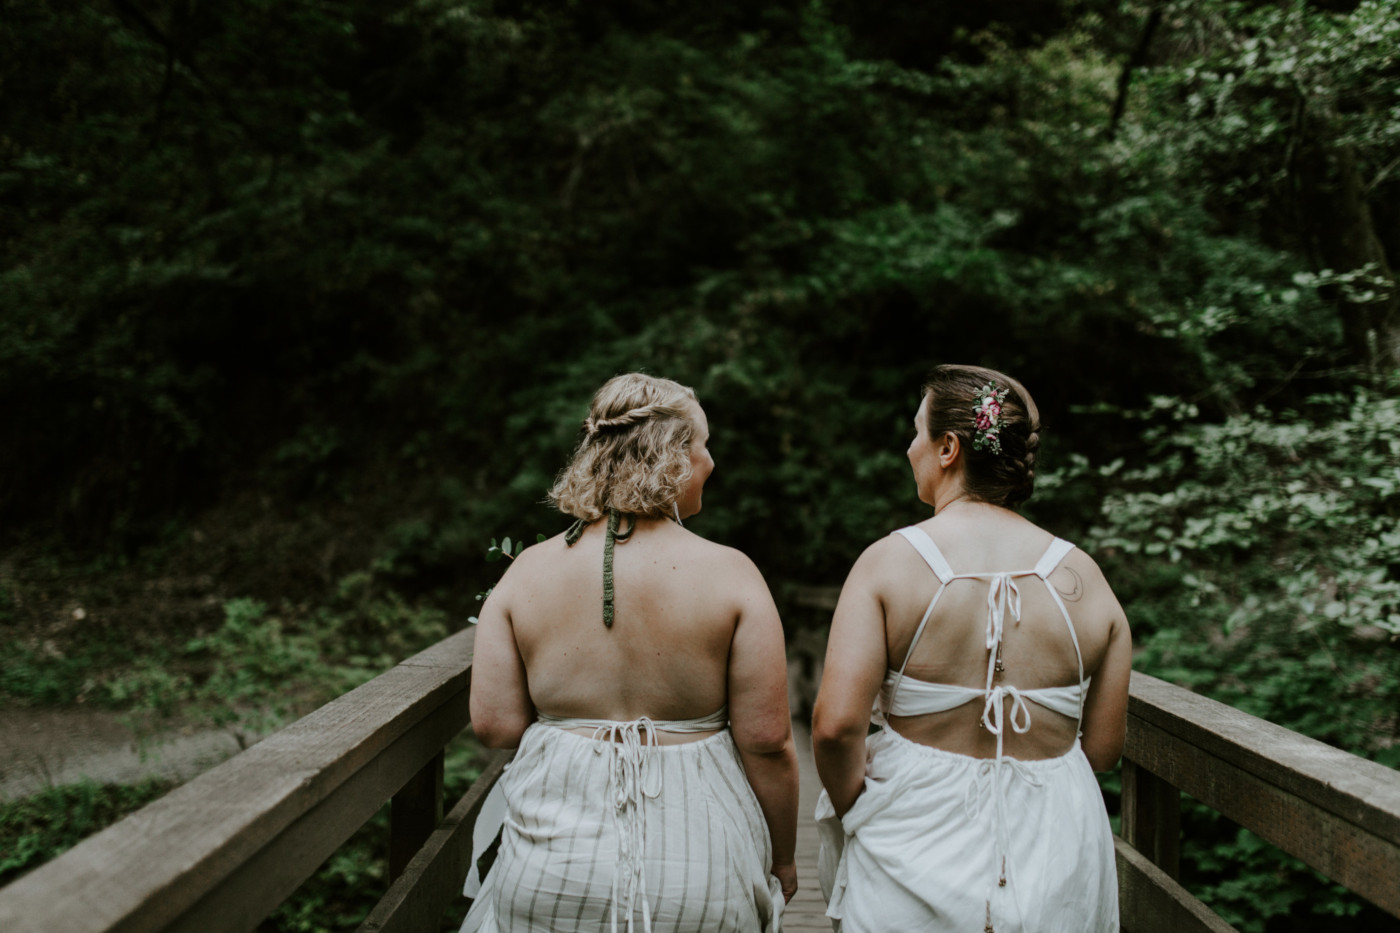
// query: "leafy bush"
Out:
[1256,559]
[35,829]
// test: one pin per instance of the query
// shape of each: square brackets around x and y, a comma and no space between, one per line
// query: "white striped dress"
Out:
[609,833]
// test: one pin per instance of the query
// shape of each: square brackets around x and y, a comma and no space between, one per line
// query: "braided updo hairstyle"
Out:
[1006,478]
[634,455]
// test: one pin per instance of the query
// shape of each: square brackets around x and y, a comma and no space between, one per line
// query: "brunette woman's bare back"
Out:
[1038,650]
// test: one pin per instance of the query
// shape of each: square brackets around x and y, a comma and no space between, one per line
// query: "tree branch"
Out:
[179,54]
[1134,62]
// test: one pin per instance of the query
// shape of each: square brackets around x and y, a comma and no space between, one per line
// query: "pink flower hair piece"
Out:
[986,417]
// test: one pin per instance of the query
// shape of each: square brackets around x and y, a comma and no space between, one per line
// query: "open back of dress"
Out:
[943,841]
[1002,704]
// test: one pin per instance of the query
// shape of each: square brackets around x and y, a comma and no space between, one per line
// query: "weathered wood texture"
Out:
[433,878]
[222,851]
[414,813]
[1335,811]
[1152,817]
[1150,901]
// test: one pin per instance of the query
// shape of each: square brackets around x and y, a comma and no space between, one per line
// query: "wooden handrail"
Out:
[1337,812]
[222,851]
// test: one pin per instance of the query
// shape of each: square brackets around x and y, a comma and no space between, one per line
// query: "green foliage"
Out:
[1255,558]
[1271,79]
[256,668]
[1250,883]
[496,551]
[1280,530]
[38,828]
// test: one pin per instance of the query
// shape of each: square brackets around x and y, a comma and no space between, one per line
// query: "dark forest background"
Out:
[301,305]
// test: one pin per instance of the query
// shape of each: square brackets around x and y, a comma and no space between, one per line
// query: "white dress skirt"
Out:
[919,849]
[606,834]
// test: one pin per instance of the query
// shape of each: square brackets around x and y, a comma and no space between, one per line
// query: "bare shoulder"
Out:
[1082,565]
[886,548]
[1078,579]
[528,564]
[537,554]
[720,559]
[889,561]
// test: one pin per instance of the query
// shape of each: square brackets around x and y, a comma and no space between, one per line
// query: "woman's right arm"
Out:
[851,678]
[499,702]
[759,718]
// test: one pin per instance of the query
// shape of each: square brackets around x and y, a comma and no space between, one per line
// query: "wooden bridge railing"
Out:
[221,852]
[1336,812]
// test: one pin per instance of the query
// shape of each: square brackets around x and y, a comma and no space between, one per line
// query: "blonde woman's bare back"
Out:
[677,602]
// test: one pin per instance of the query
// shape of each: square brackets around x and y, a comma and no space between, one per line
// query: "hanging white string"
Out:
[631,777]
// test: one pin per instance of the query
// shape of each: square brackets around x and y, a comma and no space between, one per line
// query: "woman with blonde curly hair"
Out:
[640,670]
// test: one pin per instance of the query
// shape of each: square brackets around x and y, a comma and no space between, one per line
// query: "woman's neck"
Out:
[950,499]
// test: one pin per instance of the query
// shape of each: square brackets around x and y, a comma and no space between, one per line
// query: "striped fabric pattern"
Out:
[704,854]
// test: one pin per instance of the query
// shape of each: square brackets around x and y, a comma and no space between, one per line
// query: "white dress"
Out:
[611,833]
[942,841]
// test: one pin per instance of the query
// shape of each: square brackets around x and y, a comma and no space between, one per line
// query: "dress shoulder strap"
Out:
[928,551]
[939,564]
[1055,553]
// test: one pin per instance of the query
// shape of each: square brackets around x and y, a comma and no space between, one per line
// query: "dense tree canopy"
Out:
[373,257]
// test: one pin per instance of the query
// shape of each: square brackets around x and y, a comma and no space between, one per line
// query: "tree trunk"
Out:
[1345,238]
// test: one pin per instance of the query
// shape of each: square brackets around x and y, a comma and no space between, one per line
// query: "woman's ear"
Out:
[949,449]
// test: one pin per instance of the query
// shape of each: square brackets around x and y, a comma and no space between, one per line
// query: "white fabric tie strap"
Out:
[1002,594]
[629,761]
[989,776]
[994,714]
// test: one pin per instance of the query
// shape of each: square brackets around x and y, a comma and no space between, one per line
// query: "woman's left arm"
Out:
[851,678]
[759,719]
[500,704]
[1105,725]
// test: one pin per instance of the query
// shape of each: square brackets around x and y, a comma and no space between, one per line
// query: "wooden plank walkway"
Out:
[807,911]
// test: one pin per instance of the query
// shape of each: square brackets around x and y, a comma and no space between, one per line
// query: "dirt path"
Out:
[45,748]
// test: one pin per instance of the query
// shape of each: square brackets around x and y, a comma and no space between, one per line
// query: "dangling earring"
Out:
[676,507]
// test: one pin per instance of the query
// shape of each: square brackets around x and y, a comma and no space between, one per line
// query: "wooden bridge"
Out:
[221,852]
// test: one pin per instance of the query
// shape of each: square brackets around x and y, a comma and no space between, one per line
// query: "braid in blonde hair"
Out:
[593,426]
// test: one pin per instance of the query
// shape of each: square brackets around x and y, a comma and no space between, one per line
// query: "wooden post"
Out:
[1152,817]
[414,813]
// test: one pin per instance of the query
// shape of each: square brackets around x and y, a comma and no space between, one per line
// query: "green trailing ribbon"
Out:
[576,531]
[612,537]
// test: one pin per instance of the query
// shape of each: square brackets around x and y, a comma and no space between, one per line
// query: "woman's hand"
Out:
[786,874]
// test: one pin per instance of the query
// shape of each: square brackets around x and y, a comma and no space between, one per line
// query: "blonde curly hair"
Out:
[635,453]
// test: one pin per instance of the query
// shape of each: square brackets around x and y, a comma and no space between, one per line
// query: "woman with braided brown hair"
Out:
[640,670]
[997,661]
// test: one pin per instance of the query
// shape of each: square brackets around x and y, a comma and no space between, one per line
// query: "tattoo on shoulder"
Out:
[1076,590]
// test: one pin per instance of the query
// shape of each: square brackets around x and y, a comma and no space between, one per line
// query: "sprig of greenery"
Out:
[494,553]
